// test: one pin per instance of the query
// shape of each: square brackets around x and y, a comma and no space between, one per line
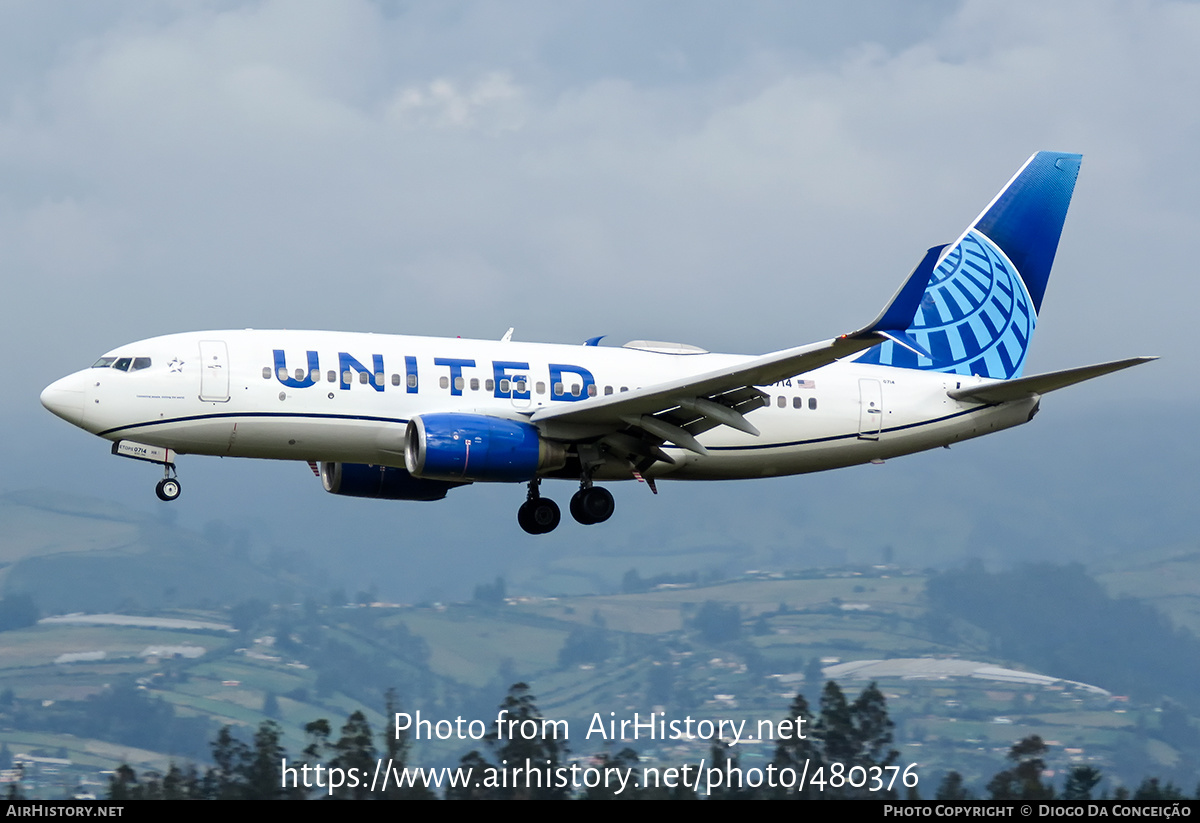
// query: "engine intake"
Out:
[467,447]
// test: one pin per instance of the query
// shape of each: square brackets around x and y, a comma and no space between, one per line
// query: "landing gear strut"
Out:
[538,515]
[168,489]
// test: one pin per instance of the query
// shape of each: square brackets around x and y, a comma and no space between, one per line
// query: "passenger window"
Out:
[314,376]
[797,402]
[363,377]
[782,402]
[412,381]
[281,373]
[576,389]
[521,386]
[266,372]
[541,387]
[347,376]
[395,380]
[505,386]
[607,390]
[812,403]
[444,382]
[624,388]
[591,390]
[558,389]
[299,374]
[331,376]
[490,385]
[140,363]
[474,384]
[459,383]
[378,378]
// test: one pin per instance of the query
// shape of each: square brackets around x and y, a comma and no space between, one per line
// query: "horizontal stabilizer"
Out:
[1008,390]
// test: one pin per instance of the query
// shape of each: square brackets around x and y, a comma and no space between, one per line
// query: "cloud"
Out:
[742,180]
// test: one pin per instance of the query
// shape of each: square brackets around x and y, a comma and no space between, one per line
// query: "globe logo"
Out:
[976,316]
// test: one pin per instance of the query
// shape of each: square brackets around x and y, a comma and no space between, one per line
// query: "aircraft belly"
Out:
[282,438]
[832,451]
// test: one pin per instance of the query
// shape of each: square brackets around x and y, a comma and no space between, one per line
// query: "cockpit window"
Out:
[140,363]
[104,362]
[122,363]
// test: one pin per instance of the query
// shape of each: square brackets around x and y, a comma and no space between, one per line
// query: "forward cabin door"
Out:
[214,371]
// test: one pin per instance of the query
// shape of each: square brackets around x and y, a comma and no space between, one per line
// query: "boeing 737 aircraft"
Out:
[409,418]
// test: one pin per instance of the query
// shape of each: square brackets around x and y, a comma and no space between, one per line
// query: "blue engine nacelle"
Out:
[384,482]
[468,447]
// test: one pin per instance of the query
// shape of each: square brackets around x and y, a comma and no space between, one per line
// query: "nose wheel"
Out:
[168,489]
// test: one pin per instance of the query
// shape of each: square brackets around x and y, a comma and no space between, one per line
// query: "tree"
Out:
[1080,782]
[952,788]
[793,751]
[225,779]
[491,594]
[843,736]
[872,729]
[355,749]
[1023,781]
[1151,790]
[396,745]
[726,764]
[626,761]
[717,623]
[261,768]
[523,739]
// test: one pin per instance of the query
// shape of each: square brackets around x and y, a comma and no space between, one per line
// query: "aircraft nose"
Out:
[65,398]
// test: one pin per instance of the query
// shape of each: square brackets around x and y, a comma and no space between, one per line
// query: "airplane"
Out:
[410,418]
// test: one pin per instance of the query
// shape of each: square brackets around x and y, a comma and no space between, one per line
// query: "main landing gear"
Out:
[592,504]
[540,515]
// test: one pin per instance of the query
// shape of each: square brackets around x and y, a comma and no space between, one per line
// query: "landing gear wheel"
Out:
[539,516]
[592,505]
[167,489]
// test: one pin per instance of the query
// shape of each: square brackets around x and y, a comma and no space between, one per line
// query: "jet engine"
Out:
[383,482]
[467,447]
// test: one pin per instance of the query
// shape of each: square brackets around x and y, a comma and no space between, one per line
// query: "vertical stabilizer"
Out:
[980,308]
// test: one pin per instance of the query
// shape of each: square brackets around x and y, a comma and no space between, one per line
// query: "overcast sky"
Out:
[742,178]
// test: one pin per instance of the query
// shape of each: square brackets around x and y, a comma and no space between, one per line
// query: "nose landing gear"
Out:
[168,489]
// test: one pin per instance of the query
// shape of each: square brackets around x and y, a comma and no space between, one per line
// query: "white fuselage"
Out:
[337,396]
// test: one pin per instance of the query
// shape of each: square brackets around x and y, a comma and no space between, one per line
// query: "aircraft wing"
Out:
[1007,390]
[730,389]
[676,411]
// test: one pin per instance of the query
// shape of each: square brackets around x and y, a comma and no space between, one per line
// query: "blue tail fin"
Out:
[980,308]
